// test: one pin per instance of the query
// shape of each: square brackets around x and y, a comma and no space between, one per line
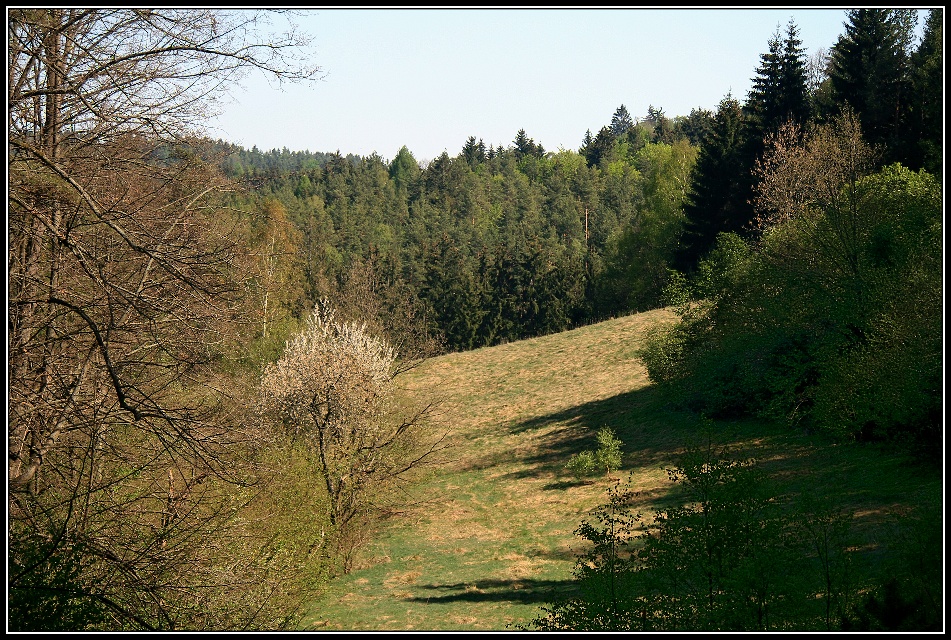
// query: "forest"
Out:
[203,337]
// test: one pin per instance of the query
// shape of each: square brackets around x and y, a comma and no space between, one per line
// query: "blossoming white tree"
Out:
[333,391]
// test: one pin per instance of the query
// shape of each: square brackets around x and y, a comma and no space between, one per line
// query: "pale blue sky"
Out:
[429,79]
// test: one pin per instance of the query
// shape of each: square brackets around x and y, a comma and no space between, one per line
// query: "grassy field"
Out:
[492,538]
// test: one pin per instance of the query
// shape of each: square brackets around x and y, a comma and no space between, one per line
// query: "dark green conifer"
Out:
[712,206]
[869,72]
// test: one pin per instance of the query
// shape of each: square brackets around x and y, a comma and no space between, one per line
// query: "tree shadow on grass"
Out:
[560,485]
[525,591]
[650,428]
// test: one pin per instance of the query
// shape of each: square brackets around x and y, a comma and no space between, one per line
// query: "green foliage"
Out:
[779,91]
[638,259]
[717,199]
[607,456]
[721,271]
[887,608]
[831,321]
[586,235]
[601,148]
[582,464]
[46,590]
[604,573]
[811,326]
[711,564]
[291,512]
[734,554]
[695,126]
[526,147]
[894,375]
[869,71]
[909,594]
[621,121]
[926,111]
[501,246]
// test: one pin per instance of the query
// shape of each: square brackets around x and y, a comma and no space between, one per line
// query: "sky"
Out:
[428,79]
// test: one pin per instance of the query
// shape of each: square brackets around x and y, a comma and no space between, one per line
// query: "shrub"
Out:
[818,328]
[582,464]
[607,456]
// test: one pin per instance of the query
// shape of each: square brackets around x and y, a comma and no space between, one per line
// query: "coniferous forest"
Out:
[200,335]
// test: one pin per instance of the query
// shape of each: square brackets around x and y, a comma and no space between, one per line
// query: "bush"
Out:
[817,330]
[582,464]
[607,456]
[604,573]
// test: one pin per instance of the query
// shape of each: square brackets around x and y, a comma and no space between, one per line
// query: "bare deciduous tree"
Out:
[123,287]
[816,69]
[809,181]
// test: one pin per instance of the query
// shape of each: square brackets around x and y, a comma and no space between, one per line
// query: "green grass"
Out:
[492,538]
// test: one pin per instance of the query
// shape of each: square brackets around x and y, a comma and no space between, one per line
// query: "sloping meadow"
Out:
[488,537]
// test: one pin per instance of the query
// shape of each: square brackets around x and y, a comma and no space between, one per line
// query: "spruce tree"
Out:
[712,205]
[695,127]
[654,114]
[926,108]
[780,94]
[600,148]
[525,146]
[587,140]
[621,122]
[404,170]
[474,152]
[869,72]
[794,84]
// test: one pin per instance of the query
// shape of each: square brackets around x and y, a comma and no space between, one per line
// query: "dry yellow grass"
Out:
[498,520]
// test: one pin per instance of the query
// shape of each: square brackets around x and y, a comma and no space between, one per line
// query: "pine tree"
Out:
[654,114]
[660,128]
[695,127]
[664,132]
[794,85]
[474,152]
[600,148]
[779,95]
[780,91]
[525,146]
[587,140]
[404,170]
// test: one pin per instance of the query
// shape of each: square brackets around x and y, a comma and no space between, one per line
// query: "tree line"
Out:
[495,244]
[499,244]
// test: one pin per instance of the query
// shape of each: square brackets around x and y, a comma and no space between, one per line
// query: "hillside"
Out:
[495,541]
